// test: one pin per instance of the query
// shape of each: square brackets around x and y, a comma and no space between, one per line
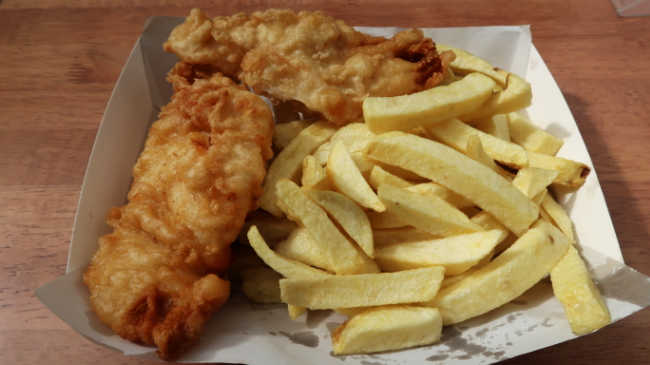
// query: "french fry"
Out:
[442,192]
[532,138]
[380,176]
[392,236]
[285,132]
[341,255]
[517,95]
[476,152]
[295,311]
[348,215]
[363,290]
[288,162]
[429,107]
[388,328]
[558,216]
[532,180]
[385,220]
[488,222]
[459,173]
[571,174]
[363,163]
[400,172]
[348,179]
[260,284]
[573,287]
[456,254]
[455,133]
[505,278]
[286,267]
[355,136]
[322,153]
[496,125]
[427,213]
[302,247]
[314,175]
[274,229]
[351,312]
[466,62]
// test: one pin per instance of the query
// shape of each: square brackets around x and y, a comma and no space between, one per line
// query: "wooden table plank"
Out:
[59,62]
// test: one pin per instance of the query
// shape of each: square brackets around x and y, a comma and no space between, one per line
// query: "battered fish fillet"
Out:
[154,278]
[310,57]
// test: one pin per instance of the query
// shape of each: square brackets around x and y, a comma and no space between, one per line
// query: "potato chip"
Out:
[388,328]
[505,278]
[288,162]
[428,107]
[363,290]
[450,168]
[456,254]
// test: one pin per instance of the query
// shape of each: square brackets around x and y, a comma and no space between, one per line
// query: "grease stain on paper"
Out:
[438,357]
[306,338]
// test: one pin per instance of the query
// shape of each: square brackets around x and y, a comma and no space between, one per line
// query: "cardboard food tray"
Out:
[260,334]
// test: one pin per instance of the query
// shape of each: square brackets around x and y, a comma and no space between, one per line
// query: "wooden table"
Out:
[59,60]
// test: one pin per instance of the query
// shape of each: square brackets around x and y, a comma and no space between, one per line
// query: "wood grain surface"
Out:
[59,60]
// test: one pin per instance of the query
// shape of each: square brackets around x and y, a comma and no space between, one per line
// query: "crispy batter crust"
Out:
[310,57]
[154,278]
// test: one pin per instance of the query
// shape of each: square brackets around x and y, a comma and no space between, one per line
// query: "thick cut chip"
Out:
[322,153]
[302,247]
[355,136]
[348,215]
[287,164]
[496,125]
[348,179]
[343,256]
[533,181]
[505,278]
[573,287]
[392,236]
[351,312]
[531,137]
[476,152]
[558,216]
[387,328]
[284,266]
[363,163]
[426,108]
[314,175]
[400,172]
[456,254]
[295,311]
[455,133]
[427,213]
[442,192]
[466,62]
[487,221]
[385,220]
[364,290]
[380,176]
[260,284]
[272,228]
[517,95]
[285,132]
[459,173]
[571,174]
